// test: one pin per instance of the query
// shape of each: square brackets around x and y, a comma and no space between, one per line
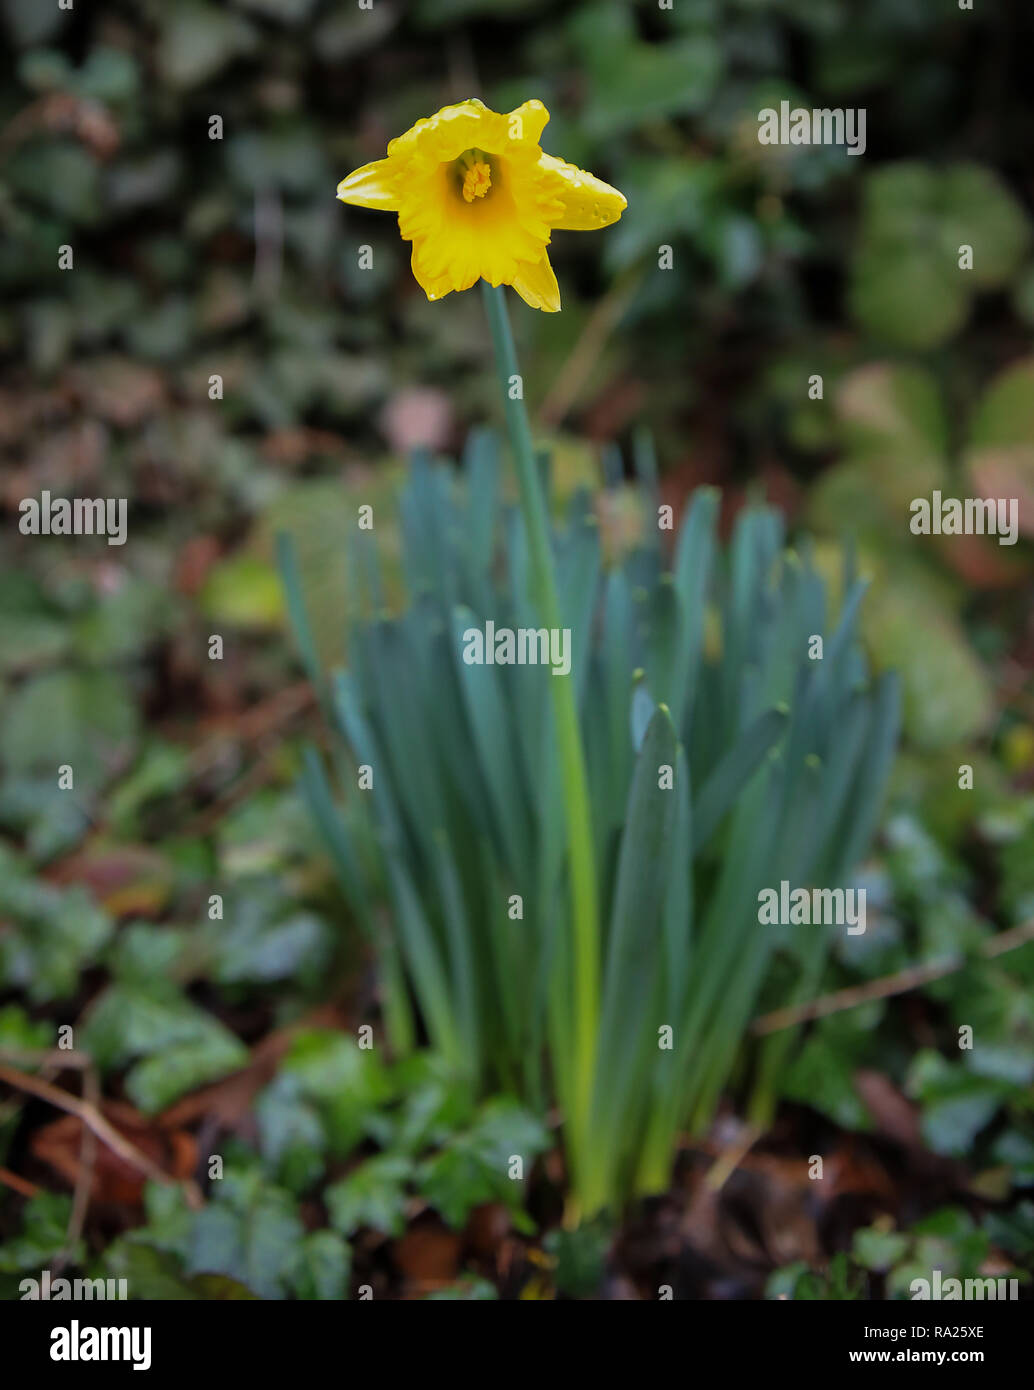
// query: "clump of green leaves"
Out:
[721,757]
[392,1139]
[51,933]
[883,1258]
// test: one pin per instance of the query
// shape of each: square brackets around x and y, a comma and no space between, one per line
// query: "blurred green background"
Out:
[196,257]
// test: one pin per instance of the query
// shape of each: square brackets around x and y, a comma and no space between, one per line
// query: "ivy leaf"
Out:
[373,1195]
[252,1233]
[291,1134]
[328,1093]
[907,285]
[182,1045]
[956,1103]
[86,719]
[877,1249]
[18,1032]
[51,935]
[160,1079]
[473,1168]
[44,1233]
[324,1267]
[979,211]
[822,1076]
[1013,1231]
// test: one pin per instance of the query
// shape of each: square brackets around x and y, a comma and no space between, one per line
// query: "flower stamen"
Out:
[477,180]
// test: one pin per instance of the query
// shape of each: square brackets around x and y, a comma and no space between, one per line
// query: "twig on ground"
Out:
[87,1165]
[889,985]
[17,1184]
[730,1158]
[91,1117]
[268,716]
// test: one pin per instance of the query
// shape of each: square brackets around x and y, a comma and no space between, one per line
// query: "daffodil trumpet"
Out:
[480,200]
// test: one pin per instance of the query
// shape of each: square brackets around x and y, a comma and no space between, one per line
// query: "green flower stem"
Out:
[585,940]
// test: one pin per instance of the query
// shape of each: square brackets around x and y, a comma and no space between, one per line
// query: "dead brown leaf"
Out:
[59,1145]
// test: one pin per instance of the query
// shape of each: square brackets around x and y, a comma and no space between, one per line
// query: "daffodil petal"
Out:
[588,202]
[450,131]
[527,121]
[372,186]
[438,274]
[536,284]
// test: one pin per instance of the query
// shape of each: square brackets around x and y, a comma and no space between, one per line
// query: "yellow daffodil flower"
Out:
[479,200]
